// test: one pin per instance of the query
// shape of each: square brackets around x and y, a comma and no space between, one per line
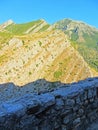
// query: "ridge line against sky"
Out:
[21,11]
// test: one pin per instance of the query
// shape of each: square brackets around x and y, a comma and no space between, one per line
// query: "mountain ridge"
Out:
[35,50]
[78,21]
[29,27]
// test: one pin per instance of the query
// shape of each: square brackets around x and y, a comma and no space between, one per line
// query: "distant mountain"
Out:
[83,37]
[37,50]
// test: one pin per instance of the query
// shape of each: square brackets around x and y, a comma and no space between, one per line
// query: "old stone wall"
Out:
[67,108]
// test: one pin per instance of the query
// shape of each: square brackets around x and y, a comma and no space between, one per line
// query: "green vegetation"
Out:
[3,58]
[74,36]
[30,73]
[19,29]
[88,49]
[36,65]
[57,74]
[62,25]
[4,38]
[23,42]
[90,55]
[40,43]
[44,28]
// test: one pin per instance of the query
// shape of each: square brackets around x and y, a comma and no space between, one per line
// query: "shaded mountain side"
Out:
[84,38]
[46,54]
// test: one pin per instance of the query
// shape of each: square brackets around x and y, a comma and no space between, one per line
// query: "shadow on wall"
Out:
[9,91]
[69,107]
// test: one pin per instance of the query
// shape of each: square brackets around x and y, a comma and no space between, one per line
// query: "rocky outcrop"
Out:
[37,27]
[68,108]
[4,25]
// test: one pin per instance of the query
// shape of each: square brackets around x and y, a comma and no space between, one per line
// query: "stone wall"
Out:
[68,108]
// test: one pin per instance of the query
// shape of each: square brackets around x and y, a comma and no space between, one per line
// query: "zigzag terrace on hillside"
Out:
[66,51]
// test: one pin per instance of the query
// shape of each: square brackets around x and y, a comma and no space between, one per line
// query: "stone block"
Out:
[85,95]
[64,127]
[59,104]
[14,108]
[95,104]
[46,100]
[78,101]
[86,103]
[67,119]
[81,112]
[76,121]
[90,93]
[70,102]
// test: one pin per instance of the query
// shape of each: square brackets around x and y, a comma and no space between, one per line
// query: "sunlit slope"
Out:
[26,28]
[84,38]
[47,55]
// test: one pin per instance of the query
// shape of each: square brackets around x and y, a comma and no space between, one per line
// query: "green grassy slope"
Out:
[4,38]
[20,29]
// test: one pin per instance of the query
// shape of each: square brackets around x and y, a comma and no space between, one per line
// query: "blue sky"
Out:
[51,10]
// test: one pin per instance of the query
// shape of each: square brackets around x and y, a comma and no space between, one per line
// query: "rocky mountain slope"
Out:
[84,38]
[33,51]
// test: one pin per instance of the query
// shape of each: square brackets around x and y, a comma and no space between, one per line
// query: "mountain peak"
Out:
[44,21]
[10,21]
[7,23]
[78,22]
